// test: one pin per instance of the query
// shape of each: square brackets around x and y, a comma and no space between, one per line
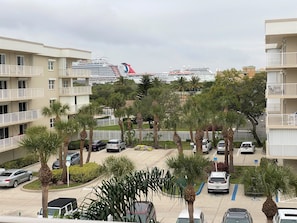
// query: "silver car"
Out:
[13,177]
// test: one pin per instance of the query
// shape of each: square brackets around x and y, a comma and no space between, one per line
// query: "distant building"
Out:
[32,76]
[281,89]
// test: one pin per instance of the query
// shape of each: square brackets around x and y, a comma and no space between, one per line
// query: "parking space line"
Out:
[234,192]
[200,188]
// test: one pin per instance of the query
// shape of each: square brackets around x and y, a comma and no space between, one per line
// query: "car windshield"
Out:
[236,220]
[112,142]
[217,179]
[5,174]
[222,144]
[289,221]
[186,220]
[53,211]
[246,145]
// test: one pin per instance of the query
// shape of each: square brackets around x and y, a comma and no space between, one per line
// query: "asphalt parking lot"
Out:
[16,201]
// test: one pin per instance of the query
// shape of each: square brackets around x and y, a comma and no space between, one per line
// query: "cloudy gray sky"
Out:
[151,35]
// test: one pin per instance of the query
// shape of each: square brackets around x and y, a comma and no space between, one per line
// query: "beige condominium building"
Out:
[32,75]
[281,89]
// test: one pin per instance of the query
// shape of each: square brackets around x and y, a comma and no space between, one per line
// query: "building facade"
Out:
[32,76]
[281,89]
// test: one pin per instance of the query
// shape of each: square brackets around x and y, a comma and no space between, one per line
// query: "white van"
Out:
[60,207]
[184,216]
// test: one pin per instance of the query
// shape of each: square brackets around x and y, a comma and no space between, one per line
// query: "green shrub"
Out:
[21,162]
[74,145]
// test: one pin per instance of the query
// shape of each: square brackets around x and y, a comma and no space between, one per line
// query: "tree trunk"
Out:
[225,136]
[120,122]
[198,138]
[191,134]
[156,123]
[177,140]
[269,208]
[140,124]
[83,136]
[90,145]
[190,196]
[230,145]
[254,133]
[45,177]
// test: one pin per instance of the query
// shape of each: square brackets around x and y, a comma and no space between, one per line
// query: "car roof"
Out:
[237,213]
[11,170]
[287,213]
[185,213]
[60,202]
[114,140]
[247,142]
[218,174]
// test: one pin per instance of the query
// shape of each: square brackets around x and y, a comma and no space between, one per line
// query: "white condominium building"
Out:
[281,89]
[32,75]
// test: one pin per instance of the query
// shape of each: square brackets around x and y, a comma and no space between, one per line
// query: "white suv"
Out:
[115,145]
[285,215]
[218,182]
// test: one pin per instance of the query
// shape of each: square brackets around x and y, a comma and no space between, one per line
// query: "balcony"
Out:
[281,60]
[282,120]
[19,117]
[20,71]
[10,143]
[75,73]
[72,91]
[288,90]
[21,94]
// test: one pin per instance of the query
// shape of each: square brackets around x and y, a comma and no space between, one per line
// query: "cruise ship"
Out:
[104,72]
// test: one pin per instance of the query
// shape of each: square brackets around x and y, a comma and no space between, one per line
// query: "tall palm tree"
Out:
[274,178]
[45,143]
[66,130]
[82,120]
[189,169]
[57,110]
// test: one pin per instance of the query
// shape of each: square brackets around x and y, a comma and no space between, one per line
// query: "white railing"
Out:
[19,117]
[10,143]
[107,122]
[289,89]
[288,59]
[82,90]
[69,72]
[21,94]
[282,119]
[20,71]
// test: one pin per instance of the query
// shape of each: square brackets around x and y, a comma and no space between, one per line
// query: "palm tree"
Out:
[45,143]
[82,120]
[189,169]
[58,110]
[274,178]
[117,167]
[66,130]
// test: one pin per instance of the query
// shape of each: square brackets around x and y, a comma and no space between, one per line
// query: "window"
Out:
[22,106]
[3,84]
[20,60]
[51,84]
[3,133]
[52,122]
[2,58]
[23,128]
[3,109]
[50,65]
[65,83]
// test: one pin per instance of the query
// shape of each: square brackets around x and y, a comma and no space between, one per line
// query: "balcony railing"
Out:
[19,117]
[75,73]
[10,143]
[70,91]
[287,90]
[21,94]
[285,120]
[288,59]
[20,71]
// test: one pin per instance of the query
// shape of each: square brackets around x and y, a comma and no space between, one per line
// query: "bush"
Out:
[21,162]
[78,174]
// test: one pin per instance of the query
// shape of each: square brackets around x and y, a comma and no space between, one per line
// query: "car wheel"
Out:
[208,191]
[30,177]
[15,184]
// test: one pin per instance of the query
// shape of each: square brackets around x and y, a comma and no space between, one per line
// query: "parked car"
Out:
[247,147]
[237,215]
[221,147]
[218,181]
[14,177]
[74,158]
[97,145]
[115,145]
[198,215]
[284,215]
[142,212]
[60,207]
[206,146]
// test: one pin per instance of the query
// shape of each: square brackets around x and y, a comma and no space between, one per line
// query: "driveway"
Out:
[16,201]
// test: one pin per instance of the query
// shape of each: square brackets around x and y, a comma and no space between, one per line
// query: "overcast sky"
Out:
[151,35]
